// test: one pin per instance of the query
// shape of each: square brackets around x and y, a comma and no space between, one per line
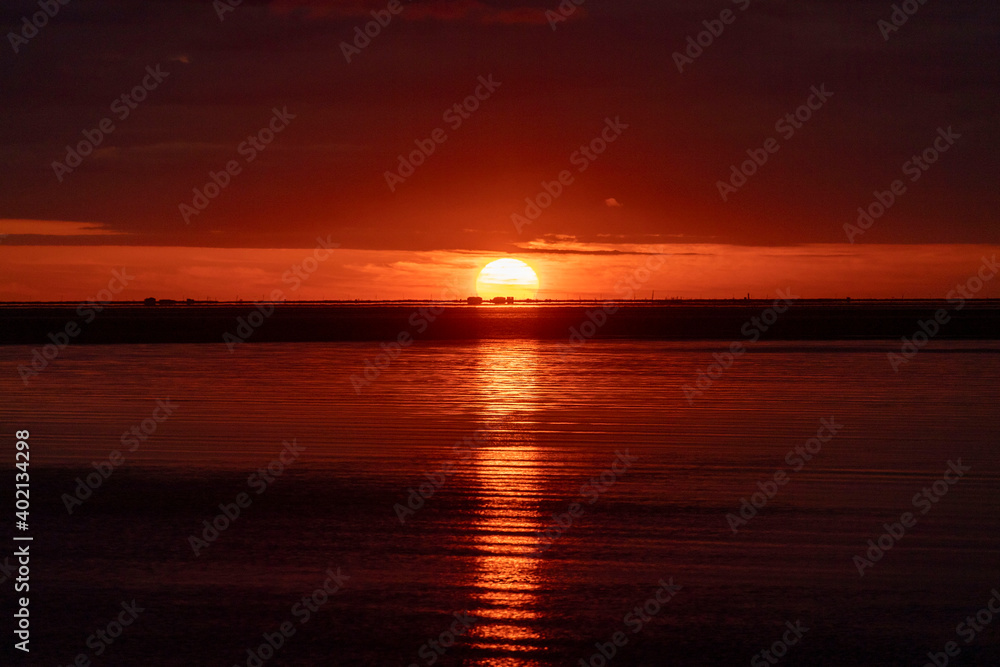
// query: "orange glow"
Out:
[507,277]
[710,271]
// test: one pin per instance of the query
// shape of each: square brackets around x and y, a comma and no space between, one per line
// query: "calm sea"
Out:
[432,486]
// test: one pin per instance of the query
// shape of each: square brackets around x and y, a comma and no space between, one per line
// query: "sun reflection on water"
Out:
[507,470]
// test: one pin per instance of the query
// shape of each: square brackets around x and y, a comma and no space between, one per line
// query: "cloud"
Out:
[16,227]
[471,11]
[562,244]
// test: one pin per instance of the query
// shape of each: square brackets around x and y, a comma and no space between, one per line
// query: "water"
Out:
[546,424]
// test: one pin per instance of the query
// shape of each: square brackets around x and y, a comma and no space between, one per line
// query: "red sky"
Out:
[342,126]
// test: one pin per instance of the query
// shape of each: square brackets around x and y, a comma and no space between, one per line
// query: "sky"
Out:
[208,149]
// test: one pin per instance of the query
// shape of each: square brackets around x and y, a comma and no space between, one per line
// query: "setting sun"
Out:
[507,277]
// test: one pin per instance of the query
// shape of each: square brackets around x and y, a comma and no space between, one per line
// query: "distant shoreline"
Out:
[767,299]
[728,319]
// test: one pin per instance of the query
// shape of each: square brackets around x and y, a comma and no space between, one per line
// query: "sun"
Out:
[507,277]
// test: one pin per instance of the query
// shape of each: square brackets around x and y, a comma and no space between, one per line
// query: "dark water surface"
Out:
[538,426]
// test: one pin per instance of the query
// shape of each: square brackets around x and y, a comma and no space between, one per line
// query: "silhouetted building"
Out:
[151,301]
[510,299]
[499,299]
[475,300]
